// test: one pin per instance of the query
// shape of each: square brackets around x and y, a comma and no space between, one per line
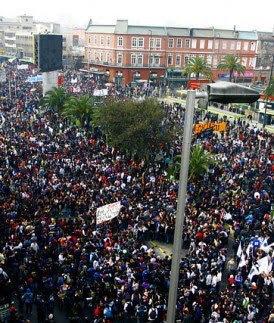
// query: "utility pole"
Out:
[181,204]
[269,82]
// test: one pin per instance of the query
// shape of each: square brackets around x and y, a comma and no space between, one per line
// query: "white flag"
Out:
[107,212]
[242,262]
[263,265]
[240,250]
[254,271]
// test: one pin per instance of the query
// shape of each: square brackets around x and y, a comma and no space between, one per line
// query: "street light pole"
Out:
[181,204]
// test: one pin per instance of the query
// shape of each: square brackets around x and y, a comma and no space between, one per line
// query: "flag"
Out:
[240,250]
[242,261]
[107,212]
[263,265]
[254,271]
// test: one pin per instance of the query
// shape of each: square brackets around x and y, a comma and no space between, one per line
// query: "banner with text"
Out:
[107,212]
[215,126]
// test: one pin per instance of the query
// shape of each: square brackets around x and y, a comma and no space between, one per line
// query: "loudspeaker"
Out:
[48,50]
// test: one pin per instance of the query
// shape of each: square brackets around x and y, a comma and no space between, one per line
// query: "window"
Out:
[170,42]
[215,61]
[133,59]
[179,42]
[151,42]
[134,42]
[209,44]
[108,57]
[102,40]
[108,41]
[253,46]
[238,45]
[120,41]
[193,43]
[101,57]
[95,40]
[140,59]
[209,59]
[244,61]
[156,60]
[187,43]
[224,45]
[232,45]
[202,43]
[178,60]
[170,59]
[140,42]
[216,45]
[186,59]
[245,45]
[158,43]
[119,59]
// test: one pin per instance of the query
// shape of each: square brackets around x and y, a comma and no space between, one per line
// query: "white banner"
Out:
[102,92]
[22,67]
[107,212]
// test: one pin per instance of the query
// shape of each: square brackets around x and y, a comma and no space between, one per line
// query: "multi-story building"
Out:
[16,35]
[145,51]
[265,58]
[73,45]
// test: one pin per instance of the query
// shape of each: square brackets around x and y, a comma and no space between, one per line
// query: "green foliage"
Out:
[55,99]
[269,91]
[232,64]
[197,65]
[79,110]
[136,128]
[200,161]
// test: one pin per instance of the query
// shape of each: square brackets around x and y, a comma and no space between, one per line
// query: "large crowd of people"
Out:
[54,258]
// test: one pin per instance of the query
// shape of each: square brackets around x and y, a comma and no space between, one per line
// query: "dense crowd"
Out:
[53,256]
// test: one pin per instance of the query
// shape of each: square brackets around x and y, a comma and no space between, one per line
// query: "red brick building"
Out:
[128,50]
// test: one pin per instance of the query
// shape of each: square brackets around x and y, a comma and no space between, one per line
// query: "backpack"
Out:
[153,314]
[108,313]
[141,311]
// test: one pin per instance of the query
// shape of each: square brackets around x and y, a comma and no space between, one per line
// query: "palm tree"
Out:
[197,65]
[232,64]
[200,161]
[79,110]
[55,98]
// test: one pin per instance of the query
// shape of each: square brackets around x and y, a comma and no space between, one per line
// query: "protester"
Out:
[53,177]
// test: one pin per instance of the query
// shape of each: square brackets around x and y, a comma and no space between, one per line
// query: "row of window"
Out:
[137,59]
[138,42]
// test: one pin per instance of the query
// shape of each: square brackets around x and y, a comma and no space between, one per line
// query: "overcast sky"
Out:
[245,14]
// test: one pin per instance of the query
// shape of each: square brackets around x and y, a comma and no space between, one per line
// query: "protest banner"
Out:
[215,126]
[107,212]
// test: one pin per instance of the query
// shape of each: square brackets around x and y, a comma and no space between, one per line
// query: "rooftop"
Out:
[123,28]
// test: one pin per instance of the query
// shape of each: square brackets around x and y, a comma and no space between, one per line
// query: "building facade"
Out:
[73,46]
[16,35]
[265,58]
[146,51]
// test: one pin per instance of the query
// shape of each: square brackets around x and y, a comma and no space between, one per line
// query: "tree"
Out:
[136,128]
[79,110]
[232,64]
[197,65]
[55,98]
[200,161]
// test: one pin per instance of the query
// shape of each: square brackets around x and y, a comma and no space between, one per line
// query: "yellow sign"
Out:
[215,126]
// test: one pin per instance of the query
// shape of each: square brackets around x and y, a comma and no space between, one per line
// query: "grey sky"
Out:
[245,14]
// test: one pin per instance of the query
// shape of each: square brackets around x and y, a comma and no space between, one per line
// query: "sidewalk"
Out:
[232,115]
